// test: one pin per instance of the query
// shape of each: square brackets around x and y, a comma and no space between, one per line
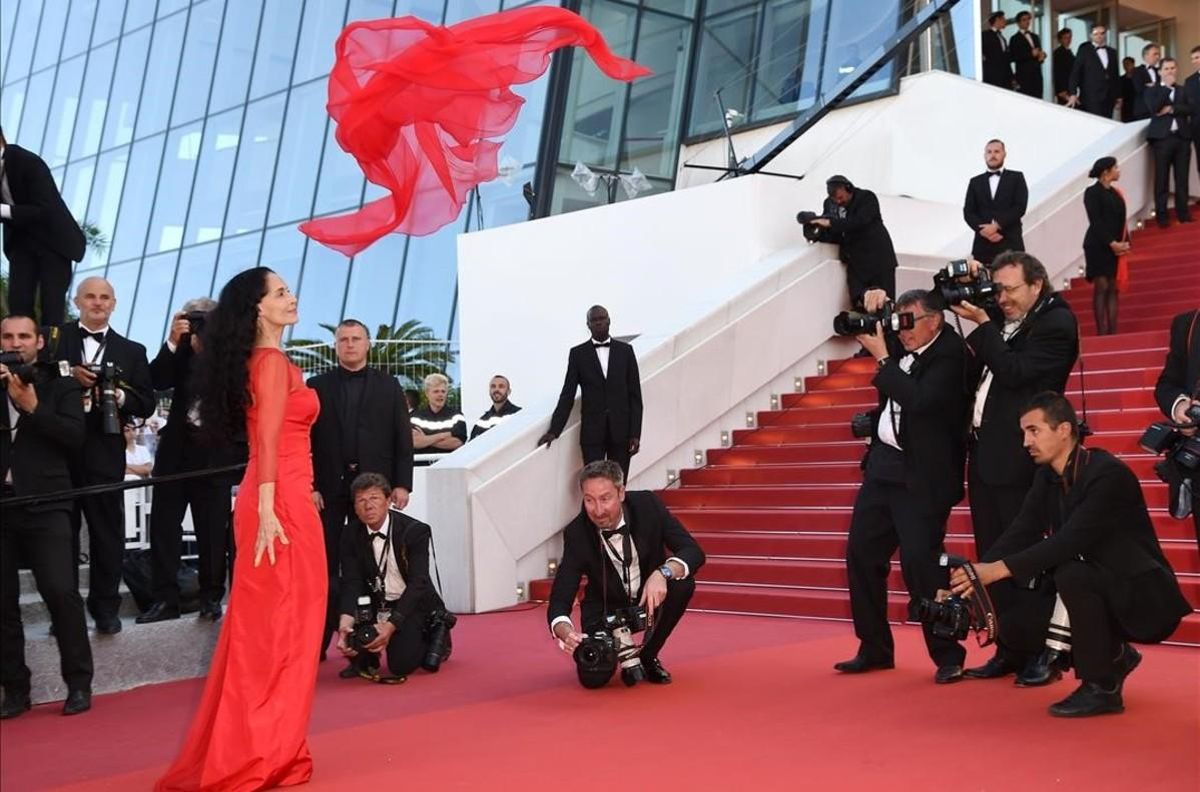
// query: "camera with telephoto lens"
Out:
[195,320]
[364,632]
[441,621]
[954,617]
[852,323]
[955,284]
[107,374]
[811,232]
[860,425]
[600,652]
[17,366]
[1165,440]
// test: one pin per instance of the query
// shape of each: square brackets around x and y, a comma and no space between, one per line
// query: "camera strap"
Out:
[625,560]
[982,611]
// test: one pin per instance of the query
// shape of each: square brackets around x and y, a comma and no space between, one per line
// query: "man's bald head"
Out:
[95,300]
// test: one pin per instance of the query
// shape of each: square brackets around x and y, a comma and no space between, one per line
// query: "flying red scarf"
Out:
[419,107]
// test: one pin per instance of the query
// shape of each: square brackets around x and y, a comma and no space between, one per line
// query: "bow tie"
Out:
[623,531]
[99,337]
[602,343]
[992,173]
[379,535]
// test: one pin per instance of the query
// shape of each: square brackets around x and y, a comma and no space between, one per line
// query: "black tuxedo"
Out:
[612,405]
[1028,68]
[652,530]
[410,541]
[1098,86]
[41,238]
[1181,377]
[1191,92]
[864,244]
[997,59]
[1007,209]
[1063,63]
[1143,77]
[1172,148]
[1103,555]
[181,449]
[39,458]
[907,494]
[363,427]
[103,462]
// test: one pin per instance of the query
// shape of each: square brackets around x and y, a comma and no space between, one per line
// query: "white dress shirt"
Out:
[92,352]
[14,415]
[889,418]
[985,383]
[1102,52]
[994,181]
[393,581]
[602,354]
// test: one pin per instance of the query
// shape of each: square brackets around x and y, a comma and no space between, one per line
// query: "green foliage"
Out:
[409,351]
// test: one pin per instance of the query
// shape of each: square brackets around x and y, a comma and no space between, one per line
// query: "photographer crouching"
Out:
[618,542]
[42,432]
[912,475]
[388,603]
[1178,395]
[1084,525]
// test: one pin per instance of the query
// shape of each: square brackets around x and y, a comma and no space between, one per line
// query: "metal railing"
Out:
[409,361]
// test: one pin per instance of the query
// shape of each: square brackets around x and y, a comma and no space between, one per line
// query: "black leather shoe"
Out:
[109,626]
[78,701]
[159,611]
[15,704]
[948,674]
[1089,699]
[655,672]
[1125,663]
[1042,670]
[859,665]
[211,611]
[993,669]
[349,672]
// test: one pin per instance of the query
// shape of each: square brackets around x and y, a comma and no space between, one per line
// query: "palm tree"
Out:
[409,352]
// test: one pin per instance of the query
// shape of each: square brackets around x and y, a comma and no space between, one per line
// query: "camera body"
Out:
[107,374]
[364,632]
[600,652]
[1165,440]
[860,425]
[955,617]
[195,320]
[441,621]
[811,232]
[26,372]
[955,284]
[949,619]
[851,323]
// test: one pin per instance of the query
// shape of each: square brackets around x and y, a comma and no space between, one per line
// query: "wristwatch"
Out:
[882,362]
[666,571]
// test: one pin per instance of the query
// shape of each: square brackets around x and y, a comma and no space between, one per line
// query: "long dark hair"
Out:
[223,366]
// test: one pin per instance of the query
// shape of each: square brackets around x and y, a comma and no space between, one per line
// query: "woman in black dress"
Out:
[1107,238]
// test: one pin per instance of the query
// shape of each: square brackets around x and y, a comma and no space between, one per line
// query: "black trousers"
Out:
[209,499]
[860,278]
[666,617]
[1171,157]
[105,515]
[887,517]
[31,270]
[614,448]
[1096,637]
[1100,106]
[42,540]
[333,520]
[405,650]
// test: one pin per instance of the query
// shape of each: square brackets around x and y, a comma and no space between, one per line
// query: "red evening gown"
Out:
[250,730]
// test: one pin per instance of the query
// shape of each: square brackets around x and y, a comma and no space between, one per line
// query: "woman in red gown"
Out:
[250,730]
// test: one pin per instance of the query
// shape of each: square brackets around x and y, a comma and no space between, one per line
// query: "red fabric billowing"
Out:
[418,106]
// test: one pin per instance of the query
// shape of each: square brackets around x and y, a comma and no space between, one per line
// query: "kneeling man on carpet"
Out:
[620,541]
[1084,523]
[388,602]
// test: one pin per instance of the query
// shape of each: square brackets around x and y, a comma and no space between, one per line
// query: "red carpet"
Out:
[755,705]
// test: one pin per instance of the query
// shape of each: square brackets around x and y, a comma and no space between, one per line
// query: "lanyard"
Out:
[625,560]
[382,563]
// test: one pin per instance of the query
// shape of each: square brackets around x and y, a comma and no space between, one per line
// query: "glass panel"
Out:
[58,173]
[199,54]
[295,176]
[174,189]
[726,52]
[503,201]
[570,197]
[682,7]
[714,7]
[430,273]
[856,29]
[151,310]
[8,22]
[16,61]
[123,278]
[341,180]
[322,23]
[63,107]
[126,88]
[94,101]
[130,237]
[37,108]
[194,278]
[78,185]
[656,102]
[276,46]
[459,10]
[170,6]
[105,196]
[160,74]
[212,178]
[368,9]
[779,85]
[374,281]
[237,53]
[236,254]
[50,35]
[79,27]
[138,13]
[322,286]
[108,20]
[962,21]
[281,251]
[429,10]
[12,103]
[255,163]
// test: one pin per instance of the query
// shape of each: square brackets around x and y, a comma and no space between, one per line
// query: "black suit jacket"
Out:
[1007,209]
[1098,86]
[48,440]
[933,406]
[1063,62]
[1191,91]
[103,456]
[410,548]
[1097,513]
[1159,96]
[1028,68]
[863,240]
[40,219]
[652,530]
[997,60]
[614,401]
[1141,81]
[384,432]
[1039,357]
[1181,371]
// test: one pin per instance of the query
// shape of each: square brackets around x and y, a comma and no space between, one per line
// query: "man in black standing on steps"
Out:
[1170,134]
[997,60]
[1145,76]
[912,478]
[606,371]
[1094,83]
[995,203]
[1027,55]
[1063,63]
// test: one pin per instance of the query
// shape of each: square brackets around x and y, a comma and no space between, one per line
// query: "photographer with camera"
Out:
[618,541]
[42,433]
[387,601]
[850,218]
[182,449]
[1084,527]
[116,384]
[1178,395]
[912,477]
[1025,343]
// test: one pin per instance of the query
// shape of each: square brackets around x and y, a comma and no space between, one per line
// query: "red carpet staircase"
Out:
[772,510]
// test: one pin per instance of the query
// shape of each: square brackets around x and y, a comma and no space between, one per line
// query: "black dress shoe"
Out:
[1042,670]
[349,672]
[1126,662]
[655,672]
[159,611]
[993,669]
[211,610]
[1187,219]
[109,626]
[859,665]
[78,701]
[1089,699]
[948,674]
[15,704]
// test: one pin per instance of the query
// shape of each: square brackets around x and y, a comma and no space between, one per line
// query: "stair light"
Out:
[1139,225]
[552,566]
[672,477]
[750,419]
[520,592]
[820,368]
[774,401]
[724,438]
[798,384]
[698,457]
